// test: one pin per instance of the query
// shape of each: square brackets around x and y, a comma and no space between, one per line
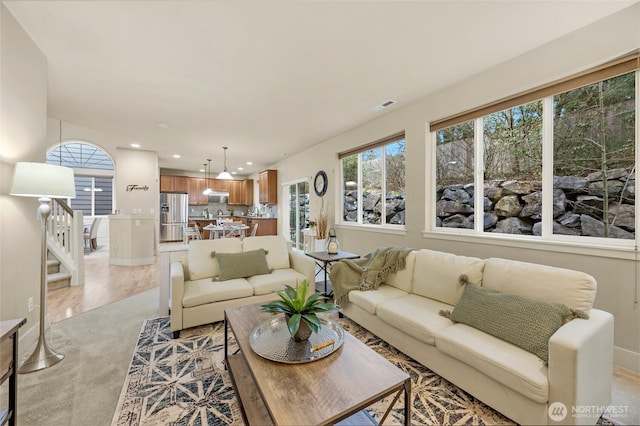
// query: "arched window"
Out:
[94,171]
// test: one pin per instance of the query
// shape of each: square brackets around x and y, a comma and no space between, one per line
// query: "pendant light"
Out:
[225,174]
[207,191]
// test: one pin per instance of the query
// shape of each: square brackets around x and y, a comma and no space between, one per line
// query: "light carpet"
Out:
[83,388]
[183,381]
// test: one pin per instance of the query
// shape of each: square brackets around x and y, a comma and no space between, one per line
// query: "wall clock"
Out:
[320,183]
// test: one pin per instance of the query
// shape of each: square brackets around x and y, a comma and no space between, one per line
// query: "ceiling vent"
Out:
[383,105]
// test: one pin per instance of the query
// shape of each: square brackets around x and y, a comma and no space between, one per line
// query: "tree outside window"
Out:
[593,168]
[373,183]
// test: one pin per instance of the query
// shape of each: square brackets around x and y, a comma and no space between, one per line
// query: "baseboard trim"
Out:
[626,359]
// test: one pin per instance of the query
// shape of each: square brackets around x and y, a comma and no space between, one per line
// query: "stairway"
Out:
[56,278]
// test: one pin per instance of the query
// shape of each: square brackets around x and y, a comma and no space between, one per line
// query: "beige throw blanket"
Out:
[366,273]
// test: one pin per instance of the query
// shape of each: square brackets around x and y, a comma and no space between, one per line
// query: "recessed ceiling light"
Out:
[201,170]
[176,155]
[234,173]
[240,168]
[135,145]
[383,105]
[249,163]
[162,125]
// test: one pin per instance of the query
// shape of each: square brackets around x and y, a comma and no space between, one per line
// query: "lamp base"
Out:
[41,358]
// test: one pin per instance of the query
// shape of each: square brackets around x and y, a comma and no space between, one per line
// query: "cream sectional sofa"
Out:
[198,297]
[405,312]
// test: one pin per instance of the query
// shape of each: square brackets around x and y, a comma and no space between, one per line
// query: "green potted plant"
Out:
[300,311]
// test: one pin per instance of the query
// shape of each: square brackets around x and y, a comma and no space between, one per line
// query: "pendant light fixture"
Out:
[225,174]
[207,191]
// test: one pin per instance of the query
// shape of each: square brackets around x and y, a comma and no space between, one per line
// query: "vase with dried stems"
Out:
[321,226]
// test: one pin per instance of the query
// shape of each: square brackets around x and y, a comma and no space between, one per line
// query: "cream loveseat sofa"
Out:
[405,312]
[203,286]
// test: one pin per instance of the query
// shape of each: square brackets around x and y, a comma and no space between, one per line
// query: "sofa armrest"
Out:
[177,292]
[303,264]
[581,367]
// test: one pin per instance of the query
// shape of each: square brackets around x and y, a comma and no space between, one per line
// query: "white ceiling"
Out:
[269,77]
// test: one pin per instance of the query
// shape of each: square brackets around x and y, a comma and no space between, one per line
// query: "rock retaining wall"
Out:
[515,207]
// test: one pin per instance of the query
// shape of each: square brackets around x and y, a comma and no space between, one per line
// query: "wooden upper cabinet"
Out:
[240,192]
[174,184]
[219,184]
[268,184]
[196,186]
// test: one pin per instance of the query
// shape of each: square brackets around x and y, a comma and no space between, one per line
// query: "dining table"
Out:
[226,229]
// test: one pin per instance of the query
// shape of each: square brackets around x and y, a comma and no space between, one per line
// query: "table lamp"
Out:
[44,181]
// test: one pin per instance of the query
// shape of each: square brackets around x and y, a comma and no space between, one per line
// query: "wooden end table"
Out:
[320,392]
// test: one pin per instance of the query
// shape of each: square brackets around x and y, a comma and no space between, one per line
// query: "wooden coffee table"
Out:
[324,391]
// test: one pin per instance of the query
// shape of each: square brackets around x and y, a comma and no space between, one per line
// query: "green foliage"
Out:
[294,302]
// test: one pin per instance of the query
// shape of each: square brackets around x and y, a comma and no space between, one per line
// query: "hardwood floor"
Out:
[104,284]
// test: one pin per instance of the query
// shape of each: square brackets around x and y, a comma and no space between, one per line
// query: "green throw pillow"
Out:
[241,265]
[526,323]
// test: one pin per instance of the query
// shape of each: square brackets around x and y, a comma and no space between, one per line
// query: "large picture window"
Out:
[585,128]
[373,183]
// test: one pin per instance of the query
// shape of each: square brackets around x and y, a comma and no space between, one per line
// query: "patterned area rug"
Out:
[183,382]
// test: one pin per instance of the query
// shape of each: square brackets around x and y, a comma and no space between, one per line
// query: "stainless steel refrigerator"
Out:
[174,209]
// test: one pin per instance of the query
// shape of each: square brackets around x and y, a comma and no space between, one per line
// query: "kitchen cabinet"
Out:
[220,184]
[266,226]
[170,183]
[240,192]
[268,187]
[196,197]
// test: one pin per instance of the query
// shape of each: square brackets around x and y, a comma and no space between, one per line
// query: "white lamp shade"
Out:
[224,175]
[43,180]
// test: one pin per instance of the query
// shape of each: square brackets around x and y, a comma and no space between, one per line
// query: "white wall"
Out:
[23,118]
[617,280]
[139,168]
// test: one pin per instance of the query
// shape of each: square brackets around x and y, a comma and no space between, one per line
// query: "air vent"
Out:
[383,105]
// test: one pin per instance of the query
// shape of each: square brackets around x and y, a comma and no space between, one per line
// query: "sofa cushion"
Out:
[201,264]
[276,246]
[436,274]
[575,289]
[201,292]
[506,363]
[241,265]
[275,281]
[403,279]
[415,315]
[527,323]
[370,299]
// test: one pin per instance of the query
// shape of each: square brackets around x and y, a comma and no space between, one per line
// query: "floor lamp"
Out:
[45,181]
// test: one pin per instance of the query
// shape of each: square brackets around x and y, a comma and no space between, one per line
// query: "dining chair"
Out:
[254,229]
[91,235]
[191,233]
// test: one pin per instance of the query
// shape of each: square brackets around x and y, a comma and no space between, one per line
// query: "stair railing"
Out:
[65,238]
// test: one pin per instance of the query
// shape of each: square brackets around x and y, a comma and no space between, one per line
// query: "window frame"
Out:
[610,247]
[384,227]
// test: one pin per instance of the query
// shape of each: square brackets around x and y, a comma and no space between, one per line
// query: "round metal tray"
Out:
[271,340]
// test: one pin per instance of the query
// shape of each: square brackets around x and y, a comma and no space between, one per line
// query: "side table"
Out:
[324,259]
[8,367]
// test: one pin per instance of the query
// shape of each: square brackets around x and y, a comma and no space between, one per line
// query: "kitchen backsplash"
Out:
[261,210]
